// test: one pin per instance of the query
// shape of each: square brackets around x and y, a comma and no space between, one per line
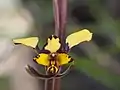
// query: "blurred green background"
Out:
[97,63]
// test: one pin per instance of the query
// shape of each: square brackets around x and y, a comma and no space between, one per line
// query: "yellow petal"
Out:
[31,41]
[53,44]
[78,37]
[63,58]
[43,59]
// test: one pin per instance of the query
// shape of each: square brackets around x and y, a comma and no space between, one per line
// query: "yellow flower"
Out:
[51,56]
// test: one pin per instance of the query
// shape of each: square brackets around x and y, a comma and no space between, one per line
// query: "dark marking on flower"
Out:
[55,36]
[45,51]
[71,60]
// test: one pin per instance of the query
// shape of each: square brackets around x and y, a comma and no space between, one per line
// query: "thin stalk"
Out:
[60,15]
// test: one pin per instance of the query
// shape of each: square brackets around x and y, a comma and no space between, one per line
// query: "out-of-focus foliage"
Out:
[4,83]
[100,74]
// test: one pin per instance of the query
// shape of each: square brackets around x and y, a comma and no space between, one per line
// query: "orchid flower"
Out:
[52,56]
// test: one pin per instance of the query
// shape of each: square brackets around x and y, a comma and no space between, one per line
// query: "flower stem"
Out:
[60,15]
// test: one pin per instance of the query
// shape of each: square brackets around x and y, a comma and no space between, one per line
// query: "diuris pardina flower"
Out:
[51,55]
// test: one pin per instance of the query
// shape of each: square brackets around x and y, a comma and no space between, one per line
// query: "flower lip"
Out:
[52,69]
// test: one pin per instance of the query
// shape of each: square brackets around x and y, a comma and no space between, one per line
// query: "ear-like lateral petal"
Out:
[64,58]
[78,37]
[31,41]
[53,44]
[42,59]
